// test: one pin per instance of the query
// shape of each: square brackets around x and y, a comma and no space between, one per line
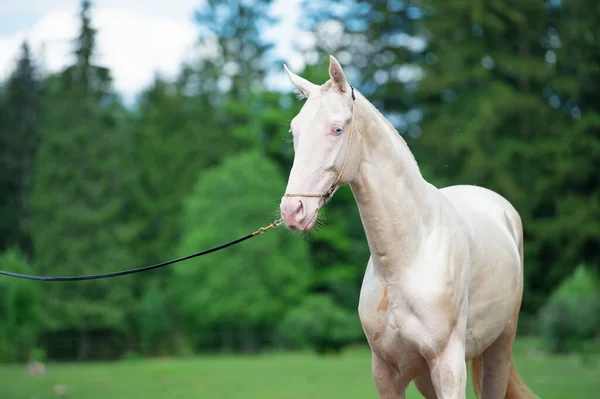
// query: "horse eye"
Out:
[338,130]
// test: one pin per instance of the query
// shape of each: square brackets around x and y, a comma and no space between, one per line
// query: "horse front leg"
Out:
[448,369]
[388,383]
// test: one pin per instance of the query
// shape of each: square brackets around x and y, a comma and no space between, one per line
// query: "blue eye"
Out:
[338,130]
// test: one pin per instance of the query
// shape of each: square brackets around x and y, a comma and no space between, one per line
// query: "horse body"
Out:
[444,283]
[495,239]
[454,286]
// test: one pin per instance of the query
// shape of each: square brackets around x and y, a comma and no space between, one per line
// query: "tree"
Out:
[238,60]
[377,42]
[80,199]
[175,140]
[19,140]
[239,294]
[566,231]
[211,111]
[485,120]
[19,310]
[166,133]
[232,66]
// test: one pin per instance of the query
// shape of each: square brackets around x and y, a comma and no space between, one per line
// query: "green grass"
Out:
[281,376]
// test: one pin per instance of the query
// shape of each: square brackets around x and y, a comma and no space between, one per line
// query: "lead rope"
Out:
[331,189]
[258,232]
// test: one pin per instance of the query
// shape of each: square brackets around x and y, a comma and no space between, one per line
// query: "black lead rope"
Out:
[145,268]
[260,231]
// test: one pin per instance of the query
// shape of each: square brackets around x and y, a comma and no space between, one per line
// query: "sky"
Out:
[135,39]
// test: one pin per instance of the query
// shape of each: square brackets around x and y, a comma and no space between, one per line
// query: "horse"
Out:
[444,281]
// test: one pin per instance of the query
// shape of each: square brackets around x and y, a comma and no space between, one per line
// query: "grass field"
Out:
[281,376]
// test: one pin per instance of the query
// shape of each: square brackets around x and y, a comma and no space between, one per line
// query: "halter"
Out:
[331,189]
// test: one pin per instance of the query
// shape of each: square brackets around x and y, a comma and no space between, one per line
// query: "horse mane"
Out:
[389,124]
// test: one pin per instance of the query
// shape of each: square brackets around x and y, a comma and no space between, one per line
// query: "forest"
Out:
[500,94]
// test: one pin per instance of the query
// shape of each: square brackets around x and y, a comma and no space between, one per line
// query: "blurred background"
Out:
[136,132]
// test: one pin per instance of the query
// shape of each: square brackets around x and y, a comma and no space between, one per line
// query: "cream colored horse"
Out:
[445,279]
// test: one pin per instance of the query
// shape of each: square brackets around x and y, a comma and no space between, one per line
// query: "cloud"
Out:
[135,38]
[133,45]
[52,29]
[288,39]
[135,48]
[181,9]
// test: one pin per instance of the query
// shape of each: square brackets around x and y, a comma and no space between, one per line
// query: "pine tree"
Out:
[84,77]
[186,127]
[566,230]
[232,29]
[175,140]
[378,44]
[485,120]
[192,124]
[6,193]
[19,138]
[234,61]
[80,200]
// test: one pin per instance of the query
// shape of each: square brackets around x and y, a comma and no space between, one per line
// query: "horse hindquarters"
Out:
[493,372]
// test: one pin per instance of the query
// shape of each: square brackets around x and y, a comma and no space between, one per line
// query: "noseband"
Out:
[331,189]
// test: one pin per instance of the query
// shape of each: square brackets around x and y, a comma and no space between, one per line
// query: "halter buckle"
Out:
[330,191]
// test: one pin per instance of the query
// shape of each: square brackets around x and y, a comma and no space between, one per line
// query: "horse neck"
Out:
[395,203]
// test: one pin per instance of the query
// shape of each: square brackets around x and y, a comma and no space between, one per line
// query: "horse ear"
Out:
[336,73]
[304,86]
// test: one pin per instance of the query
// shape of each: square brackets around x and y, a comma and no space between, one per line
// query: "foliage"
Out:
[19,310]
[79,202]
[19,140]
[233,29]
[153,320]
[570,320]
[319,323]
[165,132]
[486,121]
[244,291]
[568,234]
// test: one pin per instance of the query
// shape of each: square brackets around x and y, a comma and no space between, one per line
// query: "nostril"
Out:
[300,212]
[293,210]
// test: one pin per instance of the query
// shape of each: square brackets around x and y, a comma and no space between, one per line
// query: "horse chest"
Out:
[391,324]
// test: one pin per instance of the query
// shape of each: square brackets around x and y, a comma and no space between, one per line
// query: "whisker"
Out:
[276,212]
[306,235]
[288,138]
[319,224]
[298,234]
